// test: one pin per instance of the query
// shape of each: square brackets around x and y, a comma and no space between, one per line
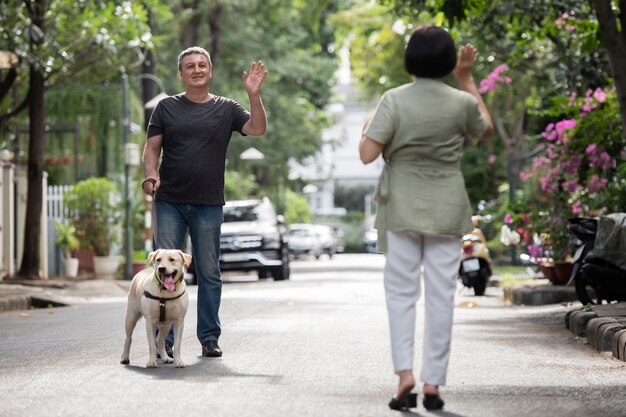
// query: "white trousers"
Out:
[440,256]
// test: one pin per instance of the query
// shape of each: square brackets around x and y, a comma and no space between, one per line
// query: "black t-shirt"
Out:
[195,140]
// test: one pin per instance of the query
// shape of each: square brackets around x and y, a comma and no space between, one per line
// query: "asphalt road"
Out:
[316,345]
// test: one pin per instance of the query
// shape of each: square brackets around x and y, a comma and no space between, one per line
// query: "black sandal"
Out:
[403,404]
[432,402]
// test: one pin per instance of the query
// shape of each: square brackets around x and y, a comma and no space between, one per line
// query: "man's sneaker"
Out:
[168,350]
[210,349]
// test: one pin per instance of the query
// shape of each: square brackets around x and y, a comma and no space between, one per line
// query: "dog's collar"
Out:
[160,283]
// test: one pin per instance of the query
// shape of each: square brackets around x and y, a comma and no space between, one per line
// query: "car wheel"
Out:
[282,272]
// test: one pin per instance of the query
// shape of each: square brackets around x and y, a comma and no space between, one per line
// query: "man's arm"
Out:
[257,124]
[151,154]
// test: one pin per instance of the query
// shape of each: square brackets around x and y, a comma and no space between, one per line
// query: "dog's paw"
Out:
[167,359]
[151,364]
[124,361]
[179,364]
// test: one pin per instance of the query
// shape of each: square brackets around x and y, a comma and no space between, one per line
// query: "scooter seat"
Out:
[602,270]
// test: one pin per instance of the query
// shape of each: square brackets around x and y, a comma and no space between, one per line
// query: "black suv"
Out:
[254,238]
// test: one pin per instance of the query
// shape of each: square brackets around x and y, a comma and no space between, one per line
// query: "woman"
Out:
[423,208]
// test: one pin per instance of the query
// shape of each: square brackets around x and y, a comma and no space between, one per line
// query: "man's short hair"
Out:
[193,50]
[430,52]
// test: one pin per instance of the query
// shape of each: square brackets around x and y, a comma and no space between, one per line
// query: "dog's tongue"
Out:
[168,282]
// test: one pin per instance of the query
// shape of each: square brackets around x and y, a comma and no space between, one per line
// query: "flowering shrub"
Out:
[581,172]
[490,84]
[524,227]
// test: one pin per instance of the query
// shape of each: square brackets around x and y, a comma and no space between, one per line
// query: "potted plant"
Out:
[559,242]
[67,240]
[95,209]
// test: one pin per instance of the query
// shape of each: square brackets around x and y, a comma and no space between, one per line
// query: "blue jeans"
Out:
[203,224]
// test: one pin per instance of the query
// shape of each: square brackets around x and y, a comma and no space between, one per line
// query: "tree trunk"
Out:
[29,268]
[189,35]
[215,19]
[148,87]
[615,41]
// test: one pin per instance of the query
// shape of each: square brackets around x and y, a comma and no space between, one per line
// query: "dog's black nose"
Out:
[161,269]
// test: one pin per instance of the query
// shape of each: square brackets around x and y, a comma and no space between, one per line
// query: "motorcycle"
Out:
[475,268]
[599,264]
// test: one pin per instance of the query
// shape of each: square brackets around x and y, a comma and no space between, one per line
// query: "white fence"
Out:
[13,191]
[56,204]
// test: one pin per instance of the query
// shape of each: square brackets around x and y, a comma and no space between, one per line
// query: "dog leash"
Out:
[153,220]
[162,302]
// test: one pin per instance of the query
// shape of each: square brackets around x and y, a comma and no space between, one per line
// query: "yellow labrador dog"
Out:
[159,295]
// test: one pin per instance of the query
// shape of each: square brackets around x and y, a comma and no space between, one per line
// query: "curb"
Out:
[15,302]
[604,327]
[534,295]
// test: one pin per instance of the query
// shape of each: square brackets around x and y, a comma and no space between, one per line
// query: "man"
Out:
[192,131]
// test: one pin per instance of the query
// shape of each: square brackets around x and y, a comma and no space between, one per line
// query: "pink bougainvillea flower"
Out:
[605,161]
[577,208]
[563,21]
[524,176]
[599,158]
[534,251]
[508,218]
[596,184]
[491,82]
[600,95]
[571,186]
[571,166]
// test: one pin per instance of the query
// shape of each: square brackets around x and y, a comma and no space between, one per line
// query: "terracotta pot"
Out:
[548,271]
[563,270]
[138,266]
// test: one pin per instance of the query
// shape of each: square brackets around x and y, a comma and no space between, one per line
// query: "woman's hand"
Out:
[463,69]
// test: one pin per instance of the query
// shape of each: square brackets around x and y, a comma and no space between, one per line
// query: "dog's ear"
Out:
[186,258]
[151,256]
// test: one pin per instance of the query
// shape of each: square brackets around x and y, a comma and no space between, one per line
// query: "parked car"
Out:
[304,240]
[340,240]
[370,240]
[327,239]
[254,238]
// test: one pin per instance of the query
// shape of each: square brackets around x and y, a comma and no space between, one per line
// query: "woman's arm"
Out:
[369,150]
[463,73]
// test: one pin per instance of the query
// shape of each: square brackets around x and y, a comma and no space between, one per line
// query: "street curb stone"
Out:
[15,302]
[540,295]
[619,345]
[600,332]
[576,321]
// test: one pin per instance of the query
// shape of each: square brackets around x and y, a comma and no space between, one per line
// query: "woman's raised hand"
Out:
[463,69]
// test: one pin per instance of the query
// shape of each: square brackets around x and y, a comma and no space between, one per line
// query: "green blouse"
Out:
[423,127]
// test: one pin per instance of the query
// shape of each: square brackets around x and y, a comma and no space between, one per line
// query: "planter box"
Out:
[106,267]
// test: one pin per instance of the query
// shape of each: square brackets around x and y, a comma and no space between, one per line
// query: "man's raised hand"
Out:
[253,81]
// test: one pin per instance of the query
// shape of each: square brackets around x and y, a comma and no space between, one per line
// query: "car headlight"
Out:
[271,239]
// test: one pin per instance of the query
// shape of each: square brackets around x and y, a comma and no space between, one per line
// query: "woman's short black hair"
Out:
[430,53]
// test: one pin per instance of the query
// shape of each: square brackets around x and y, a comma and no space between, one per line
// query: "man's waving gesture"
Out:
[252,82]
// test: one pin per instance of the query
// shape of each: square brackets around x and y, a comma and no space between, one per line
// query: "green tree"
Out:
[297,209]
[238,186]
[57,41]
